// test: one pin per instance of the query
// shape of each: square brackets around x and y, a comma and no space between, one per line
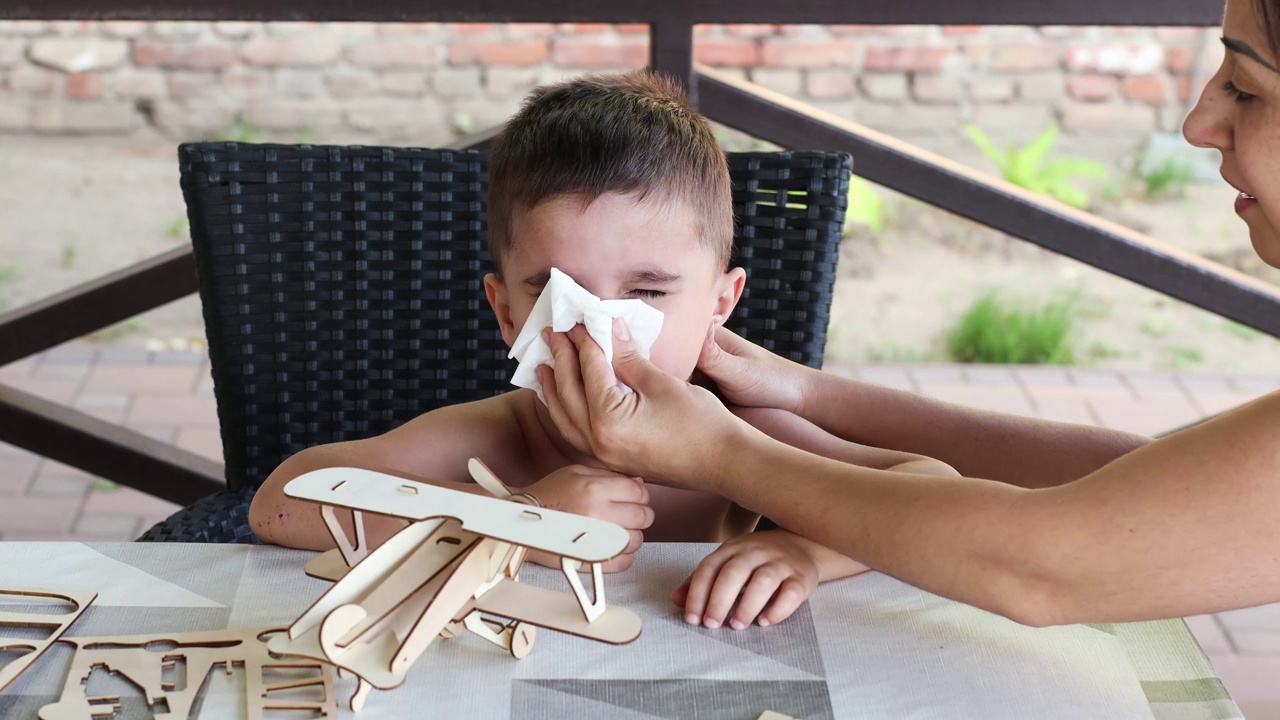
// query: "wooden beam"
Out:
[97,304]
[919,12]
[993,202]
[106,450]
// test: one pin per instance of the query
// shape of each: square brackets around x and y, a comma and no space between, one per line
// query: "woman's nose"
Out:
[1209,124]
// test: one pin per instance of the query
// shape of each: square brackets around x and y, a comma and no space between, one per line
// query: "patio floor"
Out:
[170,397]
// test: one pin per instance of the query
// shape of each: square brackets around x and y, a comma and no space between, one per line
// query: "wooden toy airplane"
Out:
[455,563]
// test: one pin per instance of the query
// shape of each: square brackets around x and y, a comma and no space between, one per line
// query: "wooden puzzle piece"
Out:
[170,670]
[453,565]
[560,533]
[51,624]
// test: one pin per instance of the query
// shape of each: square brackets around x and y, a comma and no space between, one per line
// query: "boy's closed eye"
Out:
[647,293]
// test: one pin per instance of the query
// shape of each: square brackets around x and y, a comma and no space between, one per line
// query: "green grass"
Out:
[1168,179]
[240,132]
[177,227]
[1244,332]
[998,331]
[1027,166]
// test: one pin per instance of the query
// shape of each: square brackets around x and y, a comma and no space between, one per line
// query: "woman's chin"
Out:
[1266,242]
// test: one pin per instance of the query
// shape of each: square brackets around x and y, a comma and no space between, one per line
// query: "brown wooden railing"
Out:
[134,459]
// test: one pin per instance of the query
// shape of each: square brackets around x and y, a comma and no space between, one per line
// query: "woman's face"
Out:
[1239,115]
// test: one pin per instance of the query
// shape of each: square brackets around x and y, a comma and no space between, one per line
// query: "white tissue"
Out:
[563,304]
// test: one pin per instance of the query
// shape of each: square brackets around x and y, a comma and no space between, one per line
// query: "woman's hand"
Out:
[665,430]
[750,376]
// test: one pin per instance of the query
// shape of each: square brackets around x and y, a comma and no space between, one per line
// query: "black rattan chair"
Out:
[342,291]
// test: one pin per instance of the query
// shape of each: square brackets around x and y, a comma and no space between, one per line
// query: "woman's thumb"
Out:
[628,364]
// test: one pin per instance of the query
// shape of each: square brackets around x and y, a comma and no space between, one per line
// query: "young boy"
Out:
[618,182]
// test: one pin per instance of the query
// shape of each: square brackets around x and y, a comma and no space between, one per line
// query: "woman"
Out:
[1073,524]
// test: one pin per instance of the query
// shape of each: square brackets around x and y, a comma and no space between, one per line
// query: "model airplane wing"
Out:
[558,611]
[565,534]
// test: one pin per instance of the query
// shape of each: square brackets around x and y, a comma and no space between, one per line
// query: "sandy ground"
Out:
[76,208]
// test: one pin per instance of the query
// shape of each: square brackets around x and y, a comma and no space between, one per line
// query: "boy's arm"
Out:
[797,432]
[432,449]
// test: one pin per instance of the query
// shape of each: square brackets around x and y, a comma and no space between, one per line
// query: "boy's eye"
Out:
[1236,93]
[646,293]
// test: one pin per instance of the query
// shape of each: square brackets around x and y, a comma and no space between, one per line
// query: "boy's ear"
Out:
[728,291]
[496,290]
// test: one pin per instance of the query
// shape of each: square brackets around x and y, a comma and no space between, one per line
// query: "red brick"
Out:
[86,86]
[1178,34]
[853,29]
[705,30]
[538,31]
[633,28]
[1179,60]
[499,52]
[407,29]
[780,52]
[1092,87]
[961,30]
[1027,57]
[1149,89]
[402,52]
[1185,89]
[750,30]
[471,28]
[920,58]
[584,28]
[734,52]
[10,52]
[294,51]
[829,83]
[183,85]
[1116,58]
[587,52]
[187,55]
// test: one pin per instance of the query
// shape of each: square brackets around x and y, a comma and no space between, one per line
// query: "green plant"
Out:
[865,208]
[305,136]
[1244,332]
[1181,356]
[994,330]
[1166,179]
[103,485]
[464,124]
[69,253]
[239,131]
[1099,350]
[1027,168]
[177,227]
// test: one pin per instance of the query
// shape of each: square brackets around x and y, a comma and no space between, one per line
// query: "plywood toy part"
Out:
[52,624]
[170,670]
[453,568]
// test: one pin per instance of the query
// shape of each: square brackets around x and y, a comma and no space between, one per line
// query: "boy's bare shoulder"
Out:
[440,442]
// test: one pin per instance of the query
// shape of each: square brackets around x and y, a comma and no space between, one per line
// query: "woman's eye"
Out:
[649,293]
[1237,94]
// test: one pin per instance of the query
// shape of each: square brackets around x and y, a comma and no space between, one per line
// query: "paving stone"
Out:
[123,356]
[54,483]
[16,473]
[163,433]
[1096,378]
[54,390]
[1248,678]
[1208,632]
[109,527]
[1066,410]
[19,369]
[936,375]
[41,514]
[996,376]
[66,370]
[172,411]
[143,379]
[177,357]
[71,352]
[888,376]
[201,440]
[126,501]
[1144,384]
[1151,417]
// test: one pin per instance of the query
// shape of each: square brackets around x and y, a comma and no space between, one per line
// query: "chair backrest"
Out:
[342,286]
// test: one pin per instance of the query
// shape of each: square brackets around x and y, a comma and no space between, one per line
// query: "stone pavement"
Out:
[170,397]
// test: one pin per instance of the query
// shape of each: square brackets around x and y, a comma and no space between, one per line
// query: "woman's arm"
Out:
[1182,526]
[977,443]
[1185,525]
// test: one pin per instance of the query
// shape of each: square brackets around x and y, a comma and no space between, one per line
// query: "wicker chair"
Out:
[342,291]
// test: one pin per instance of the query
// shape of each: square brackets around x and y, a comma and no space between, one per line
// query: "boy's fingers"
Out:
[755,596]
[733,576]
[700,582]
[632,516]
[636,539]
[785,602]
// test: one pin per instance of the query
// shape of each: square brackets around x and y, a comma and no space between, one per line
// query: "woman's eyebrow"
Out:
[1240,47]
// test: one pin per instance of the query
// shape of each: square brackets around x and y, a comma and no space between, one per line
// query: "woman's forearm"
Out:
[977,443]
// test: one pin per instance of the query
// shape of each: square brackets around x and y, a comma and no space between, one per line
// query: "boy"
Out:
[618,182]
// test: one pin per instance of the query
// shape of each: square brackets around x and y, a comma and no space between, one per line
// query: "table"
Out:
[867,646]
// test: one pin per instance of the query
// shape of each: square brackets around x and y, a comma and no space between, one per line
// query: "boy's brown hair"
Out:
[633,133]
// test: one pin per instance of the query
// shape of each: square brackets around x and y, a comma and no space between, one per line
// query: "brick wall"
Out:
[426,83]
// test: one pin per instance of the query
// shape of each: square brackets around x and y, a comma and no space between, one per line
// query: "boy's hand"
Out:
[775,569]
[602,494]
